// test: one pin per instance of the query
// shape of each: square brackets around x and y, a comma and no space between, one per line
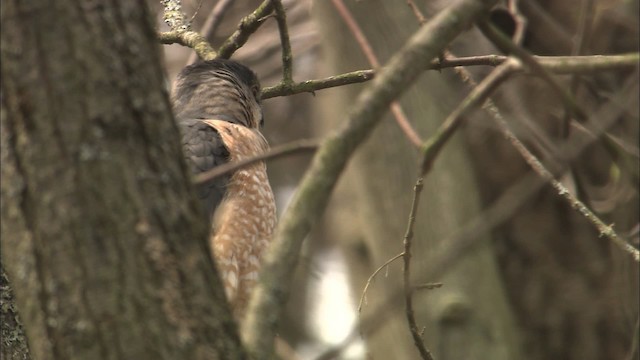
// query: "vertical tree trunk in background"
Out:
[469,317]
[571,294]
[101,236]
[575,295]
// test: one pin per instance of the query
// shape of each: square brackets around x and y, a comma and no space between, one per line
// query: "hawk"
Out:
[217,105]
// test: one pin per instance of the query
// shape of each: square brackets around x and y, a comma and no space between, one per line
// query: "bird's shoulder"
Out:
[203,145]
[204,149]
[241,141]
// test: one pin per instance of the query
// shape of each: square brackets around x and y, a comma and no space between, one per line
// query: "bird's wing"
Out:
[204,149]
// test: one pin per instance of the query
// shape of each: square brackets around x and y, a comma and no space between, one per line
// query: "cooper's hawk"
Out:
[217,105]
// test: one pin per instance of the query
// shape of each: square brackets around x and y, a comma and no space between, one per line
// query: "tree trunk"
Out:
[15,345]
[574,294]
[102,238]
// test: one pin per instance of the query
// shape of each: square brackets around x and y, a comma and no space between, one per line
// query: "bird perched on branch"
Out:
[217,105]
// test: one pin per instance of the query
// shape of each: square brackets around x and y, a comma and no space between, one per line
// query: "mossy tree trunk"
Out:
[101,235]
[14,345]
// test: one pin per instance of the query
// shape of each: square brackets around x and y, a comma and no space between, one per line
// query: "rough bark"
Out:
[15,345]
[101,236]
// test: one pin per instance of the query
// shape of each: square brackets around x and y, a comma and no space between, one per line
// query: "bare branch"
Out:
[248,25]
[580,40]
[408,288]
[520,21]
[507,46]
[363,297]
[181,32]
[287,58]
[417,12]
[428,286]
[536,165]
[311,86]
[211,24]
[278,151]
[477,97]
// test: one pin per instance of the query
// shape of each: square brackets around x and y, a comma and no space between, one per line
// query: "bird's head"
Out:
[218,89]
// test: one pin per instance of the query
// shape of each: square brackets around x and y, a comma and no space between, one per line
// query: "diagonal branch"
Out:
[212,23]
[507,46]
[361,39]
[604,229]
[307,205]
[278,151]
[408,288]
[248,25]
[476,97]
[363,297]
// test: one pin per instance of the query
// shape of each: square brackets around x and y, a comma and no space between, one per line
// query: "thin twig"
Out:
[536,165]
[417,12]
[520,22]
[442,257]
[357,33]
[311,86]
[583,34]
[371,277]
[211,24]
[476,97]
[195,13]
[278,151]
[361,39]
[587,64]
[408,288]
[248,25]
[555,64]
[428,286]
[287,58]
[580,40]
[507,46]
